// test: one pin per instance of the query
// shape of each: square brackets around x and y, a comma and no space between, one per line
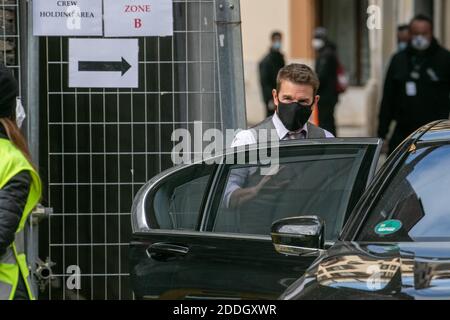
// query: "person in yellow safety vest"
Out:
[20,192]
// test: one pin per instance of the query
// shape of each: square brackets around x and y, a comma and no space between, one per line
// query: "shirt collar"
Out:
[281,129]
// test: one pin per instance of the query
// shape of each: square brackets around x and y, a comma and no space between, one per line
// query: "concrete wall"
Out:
[303,16]
[442,21]
[259,19]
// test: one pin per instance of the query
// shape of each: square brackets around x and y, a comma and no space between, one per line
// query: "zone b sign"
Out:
[138,18]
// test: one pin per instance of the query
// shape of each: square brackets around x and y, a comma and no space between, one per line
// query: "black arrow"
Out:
[104,66]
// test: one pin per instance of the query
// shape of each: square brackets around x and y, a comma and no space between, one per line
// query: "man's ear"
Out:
[316,102]
[275,98]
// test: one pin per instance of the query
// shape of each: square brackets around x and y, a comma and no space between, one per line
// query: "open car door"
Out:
[195,236]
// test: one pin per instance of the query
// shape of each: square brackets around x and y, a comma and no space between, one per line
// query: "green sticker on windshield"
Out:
[388,227]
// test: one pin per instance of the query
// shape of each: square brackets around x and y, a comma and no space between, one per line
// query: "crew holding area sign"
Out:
[67,18]
[67,13]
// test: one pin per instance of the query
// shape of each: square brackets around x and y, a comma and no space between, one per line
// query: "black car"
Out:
[190,242]
[396,244]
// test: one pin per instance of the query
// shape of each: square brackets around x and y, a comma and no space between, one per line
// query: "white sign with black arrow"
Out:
[103,63]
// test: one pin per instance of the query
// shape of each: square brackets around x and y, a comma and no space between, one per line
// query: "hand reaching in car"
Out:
[272,180]
[267,183]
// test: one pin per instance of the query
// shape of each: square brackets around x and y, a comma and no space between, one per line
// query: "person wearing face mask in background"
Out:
[403,37]
[295,97]
[268,70]
[417,85]
[326,69]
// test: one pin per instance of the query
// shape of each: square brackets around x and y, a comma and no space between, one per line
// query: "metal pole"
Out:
[30,96]
[231,65]
[31,65]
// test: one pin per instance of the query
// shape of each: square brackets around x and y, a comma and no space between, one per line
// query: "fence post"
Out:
[231,65]
[30,96]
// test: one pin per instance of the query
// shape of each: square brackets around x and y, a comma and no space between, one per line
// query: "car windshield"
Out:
[416,204]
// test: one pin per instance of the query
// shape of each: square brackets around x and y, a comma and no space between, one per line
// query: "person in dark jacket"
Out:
[19,189]
[326,69]
[268,71]
[417,85]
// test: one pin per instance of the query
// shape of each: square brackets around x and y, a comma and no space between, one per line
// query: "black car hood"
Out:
[377,271]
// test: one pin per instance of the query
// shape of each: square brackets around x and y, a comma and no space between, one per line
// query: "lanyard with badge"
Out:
[415,75]
[411,86]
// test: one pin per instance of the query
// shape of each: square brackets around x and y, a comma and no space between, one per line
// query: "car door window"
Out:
[175,204]
[313,180]
[416,204]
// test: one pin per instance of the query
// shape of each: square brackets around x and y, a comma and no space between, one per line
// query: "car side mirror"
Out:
[299,235]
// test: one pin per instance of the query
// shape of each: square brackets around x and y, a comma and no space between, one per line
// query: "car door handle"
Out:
[166,250]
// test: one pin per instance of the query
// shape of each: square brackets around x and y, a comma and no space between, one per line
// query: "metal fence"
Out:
[10,46]
[97,147]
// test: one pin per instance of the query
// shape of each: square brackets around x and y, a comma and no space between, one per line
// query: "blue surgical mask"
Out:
[276,45]
[402,45]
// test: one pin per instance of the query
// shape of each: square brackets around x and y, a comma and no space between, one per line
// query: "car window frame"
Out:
[140,223]
[140,226]
[215,199]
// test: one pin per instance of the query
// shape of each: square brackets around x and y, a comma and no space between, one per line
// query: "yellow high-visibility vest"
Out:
[14,262]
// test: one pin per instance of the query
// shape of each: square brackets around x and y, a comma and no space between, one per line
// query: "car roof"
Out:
[437,131]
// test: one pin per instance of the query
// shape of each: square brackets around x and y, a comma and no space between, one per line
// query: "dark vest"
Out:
[314,132]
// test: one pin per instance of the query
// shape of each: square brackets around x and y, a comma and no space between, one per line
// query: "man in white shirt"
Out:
[294,98]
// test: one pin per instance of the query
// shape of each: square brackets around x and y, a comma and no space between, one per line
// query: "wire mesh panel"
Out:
[10,37]
[99,146]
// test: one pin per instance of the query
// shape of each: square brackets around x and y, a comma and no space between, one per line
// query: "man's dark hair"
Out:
[423,18]
[298,74]
[403,27]
[276,34]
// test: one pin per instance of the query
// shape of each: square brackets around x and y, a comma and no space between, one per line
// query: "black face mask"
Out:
[294,115]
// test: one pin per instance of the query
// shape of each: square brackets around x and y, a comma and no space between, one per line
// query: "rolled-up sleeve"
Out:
[243,138]
[238,177]
[236,181]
